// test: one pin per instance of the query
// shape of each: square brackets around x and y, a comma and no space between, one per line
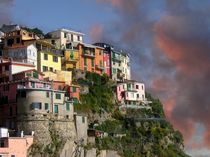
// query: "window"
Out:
[2,144]
[114,71]
[12,155]
[58,96]
[47,94]
[51,69]
[33,84]
[72,37]
[137,95]
[45,56]
[17,40]
[83,119]
[78,38]
[23,94]
[7,67]
[74,89]
[132,95]
[67,107]
[6,87]
[53,42]
[101,64]
[100,52]
[10,42]
[46,106]
[85,61]
[18,32]
[92,62]
[137,86]
[65,35]
[59,87]
[55,108]
[45,68]
[36,106]
[55,59]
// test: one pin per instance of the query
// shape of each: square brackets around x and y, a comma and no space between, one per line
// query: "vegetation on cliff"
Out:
[139,132]
[100,97]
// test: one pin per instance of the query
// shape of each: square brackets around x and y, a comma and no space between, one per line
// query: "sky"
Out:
[169,43]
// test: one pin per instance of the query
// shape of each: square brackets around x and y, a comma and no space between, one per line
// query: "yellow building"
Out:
[70,60]
[48,58]
[61,76]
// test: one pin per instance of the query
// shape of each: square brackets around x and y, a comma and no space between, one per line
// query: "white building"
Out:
[66,37]
[120,64]
[131,94]
[25,54]
[125,66]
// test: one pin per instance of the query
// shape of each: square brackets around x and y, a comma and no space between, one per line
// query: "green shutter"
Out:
[92,62]
[85,61]
[58,96]
[74,89]
[46,106]
[67,107]
[55,108]
[72,55]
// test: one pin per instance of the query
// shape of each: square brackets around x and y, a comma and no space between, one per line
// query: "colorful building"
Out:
[8,94]
[16,146]
[43,102]
[70,60]
[22,53]
[67,37]
[49,58]
[106,57]
[91,58]
[17,38]
[116,63]
[61,76]
[8,67]
[130,93]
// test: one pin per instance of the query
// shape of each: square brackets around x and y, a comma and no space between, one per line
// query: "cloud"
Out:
[170,45]
[5,6]
[96,32]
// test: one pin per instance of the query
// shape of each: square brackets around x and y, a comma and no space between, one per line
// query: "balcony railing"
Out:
[117,58]
[89,54]
[72,59]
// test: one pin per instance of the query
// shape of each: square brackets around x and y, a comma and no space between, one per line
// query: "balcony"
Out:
[70,59]
[117,58]
[88,54]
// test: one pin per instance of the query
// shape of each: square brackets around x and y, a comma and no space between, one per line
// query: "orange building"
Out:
[91,58]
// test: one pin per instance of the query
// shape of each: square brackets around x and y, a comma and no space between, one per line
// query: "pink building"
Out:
[72,91]
[107,57]
[8,94]
[107,67]
[15,146]
[130,93]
